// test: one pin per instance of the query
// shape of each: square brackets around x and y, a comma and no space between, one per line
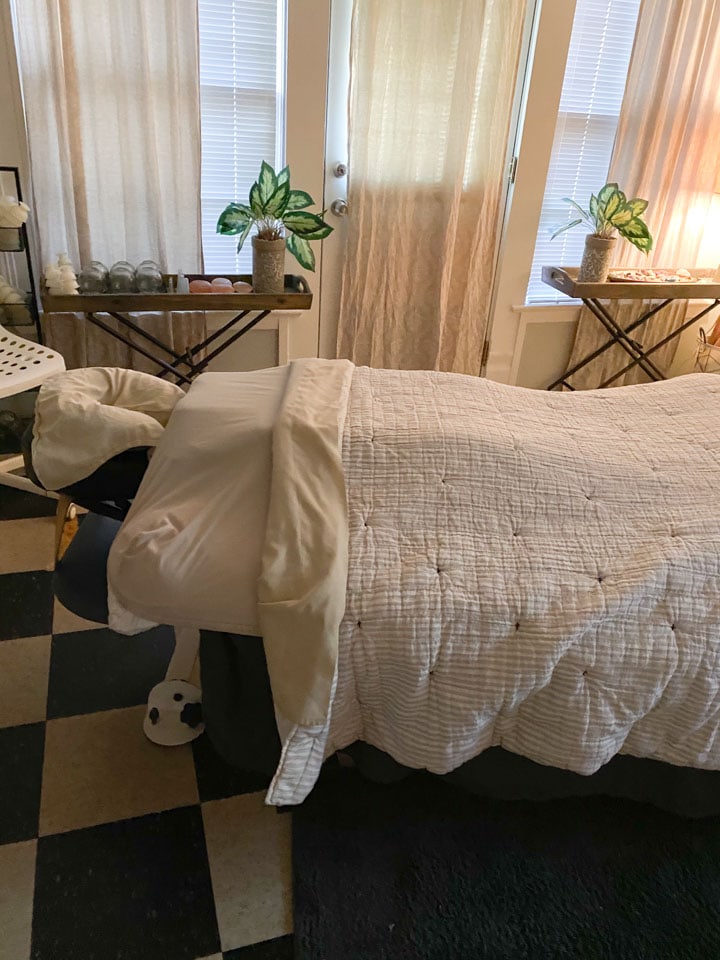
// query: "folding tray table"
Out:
[256,306]
[591,294]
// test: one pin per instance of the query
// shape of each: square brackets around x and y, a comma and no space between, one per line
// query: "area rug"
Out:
[422,870]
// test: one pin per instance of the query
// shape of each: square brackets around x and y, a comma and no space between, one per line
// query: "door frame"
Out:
[308,37]
[336,187]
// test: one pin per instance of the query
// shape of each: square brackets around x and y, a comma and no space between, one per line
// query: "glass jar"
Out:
[94,278]
[148,277]
[122,277]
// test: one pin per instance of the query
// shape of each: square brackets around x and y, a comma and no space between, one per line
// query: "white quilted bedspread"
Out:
[530,570]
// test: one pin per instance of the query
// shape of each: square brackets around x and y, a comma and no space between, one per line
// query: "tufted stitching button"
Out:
[584,673]
[517,625]
[359,623]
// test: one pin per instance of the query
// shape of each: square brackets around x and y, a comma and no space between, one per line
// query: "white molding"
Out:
[281,321]
[547,71]
[532,367]
[336,188]
[307,73]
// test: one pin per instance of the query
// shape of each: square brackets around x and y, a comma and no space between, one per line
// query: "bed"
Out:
[441,567]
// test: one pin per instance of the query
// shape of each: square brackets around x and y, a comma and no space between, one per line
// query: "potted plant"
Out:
[282,221]
[609,213]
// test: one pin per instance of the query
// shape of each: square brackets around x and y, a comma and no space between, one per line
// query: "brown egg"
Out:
[221,282]
[200,286]
[241,287]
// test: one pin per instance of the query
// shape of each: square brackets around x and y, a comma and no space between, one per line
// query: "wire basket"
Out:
[707,355]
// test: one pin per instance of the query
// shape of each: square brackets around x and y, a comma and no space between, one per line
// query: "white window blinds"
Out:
[242,104]
[595,75]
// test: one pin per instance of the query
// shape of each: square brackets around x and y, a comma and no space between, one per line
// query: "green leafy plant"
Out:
[278,212]
[611,212]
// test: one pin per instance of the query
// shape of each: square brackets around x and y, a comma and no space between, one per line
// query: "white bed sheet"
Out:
[189,551]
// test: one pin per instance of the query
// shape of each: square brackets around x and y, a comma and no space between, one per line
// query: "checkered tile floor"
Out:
[112,847]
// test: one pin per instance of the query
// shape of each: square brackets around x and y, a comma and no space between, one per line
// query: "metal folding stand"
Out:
[591,294]
[183,366]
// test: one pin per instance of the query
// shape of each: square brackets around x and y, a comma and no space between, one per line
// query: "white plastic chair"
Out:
[23,365]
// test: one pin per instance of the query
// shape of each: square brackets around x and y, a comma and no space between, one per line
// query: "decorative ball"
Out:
[200,286]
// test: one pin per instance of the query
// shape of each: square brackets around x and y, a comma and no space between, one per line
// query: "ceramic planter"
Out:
[595,264]
[268,271]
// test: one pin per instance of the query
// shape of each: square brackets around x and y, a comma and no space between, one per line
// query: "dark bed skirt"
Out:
[239,719]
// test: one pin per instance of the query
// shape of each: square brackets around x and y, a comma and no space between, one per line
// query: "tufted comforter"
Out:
[531,570]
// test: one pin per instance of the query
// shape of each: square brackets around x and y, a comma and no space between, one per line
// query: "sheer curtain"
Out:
[111,98]
[431,96]
[666,150]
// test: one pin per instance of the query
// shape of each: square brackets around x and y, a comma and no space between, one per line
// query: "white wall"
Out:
[13,144]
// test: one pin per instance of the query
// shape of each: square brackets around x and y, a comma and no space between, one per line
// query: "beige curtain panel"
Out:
[431,96]
[112,105]
[666,150]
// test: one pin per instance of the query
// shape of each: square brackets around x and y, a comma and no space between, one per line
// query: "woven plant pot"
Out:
[595,264]
[268,272]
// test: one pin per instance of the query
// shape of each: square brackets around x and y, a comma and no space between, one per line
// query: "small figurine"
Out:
[8,293]
[60,278]
[13,213]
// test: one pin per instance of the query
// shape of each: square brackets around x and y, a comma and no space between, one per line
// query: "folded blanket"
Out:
[240,524]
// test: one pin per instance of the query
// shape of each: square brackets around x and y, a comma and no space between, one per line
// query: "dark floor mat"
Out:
[420,869]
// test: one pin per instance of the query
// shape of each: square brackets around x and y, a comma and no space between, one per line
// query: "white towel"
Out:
[85,417]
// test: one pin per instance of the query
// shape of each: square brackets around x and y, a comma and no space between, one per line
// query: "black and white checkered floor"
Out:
[112,847]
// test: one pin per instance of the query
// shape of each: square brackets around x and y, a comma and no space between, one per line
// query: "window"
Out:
[595,75]
[242,105]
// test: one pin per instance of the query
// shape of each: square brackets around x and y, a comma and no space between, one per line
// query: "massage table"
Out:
[447,573]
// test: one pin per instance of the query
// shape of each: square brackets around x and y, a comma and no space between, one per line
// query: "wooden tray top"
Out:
[565,280]
[297,296]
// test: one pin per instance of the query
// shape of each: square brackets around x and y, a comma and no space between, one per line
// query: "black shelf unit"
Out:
[11,315]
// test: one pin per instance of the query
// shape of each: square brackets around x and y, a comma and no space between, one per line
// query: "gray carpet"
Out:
[420,869]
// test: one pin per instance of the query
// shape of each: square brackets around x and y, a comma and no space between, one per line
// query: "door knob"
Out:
[339,208]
